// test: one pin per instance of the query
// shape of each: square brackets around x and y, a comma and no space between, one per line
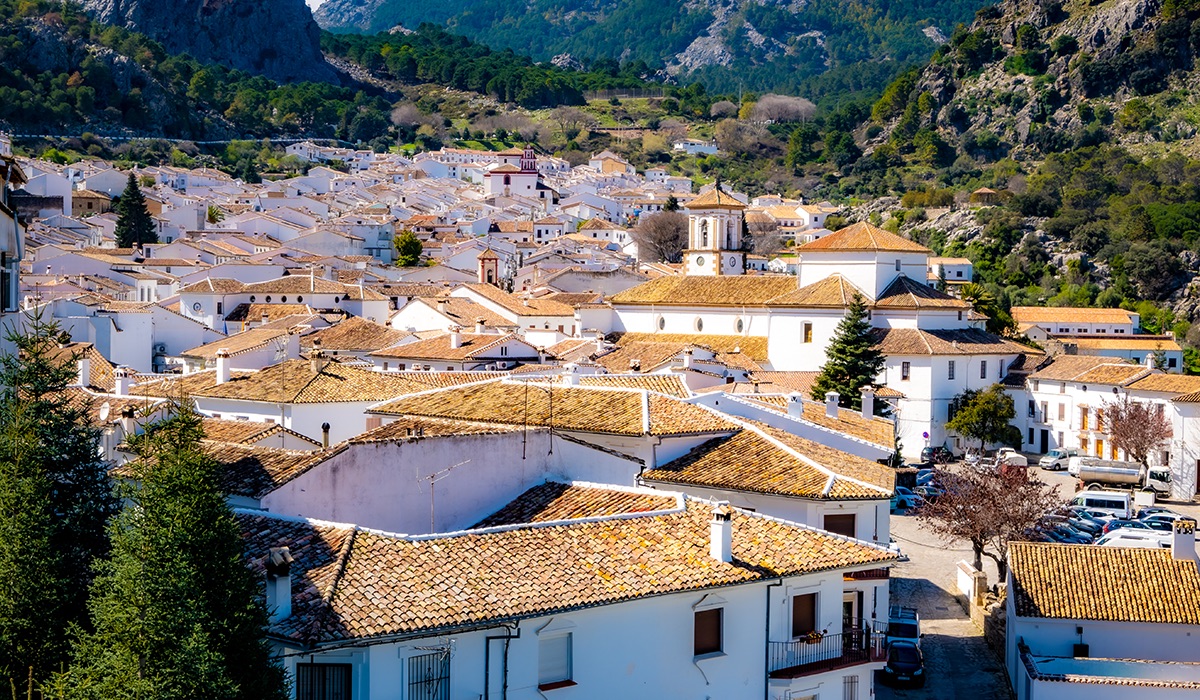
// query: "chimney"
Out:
[443,306]
[1149,361]
[599,342]
[479,326]
[128,425]
[868,402]
[571,374]
[720,533]
[831,403]
[265,318]
[85,370]
[317,358]
[455,337]
[279,583]
[541,355]
[325,436]
[1183,540]
[222,366]
[795,407]
[123,381]
[635,365]
[687,359]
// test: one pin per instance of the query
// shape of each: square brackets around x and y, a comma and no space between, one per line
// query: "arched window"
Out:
[703,234]
[507,180]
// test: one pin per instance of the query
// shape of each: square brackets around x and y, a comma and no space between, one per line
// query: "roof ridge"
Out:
[804,458]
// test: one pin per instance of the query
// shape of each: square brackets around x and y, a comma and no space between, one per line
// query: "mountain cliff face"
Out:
[275,38]
[728,44]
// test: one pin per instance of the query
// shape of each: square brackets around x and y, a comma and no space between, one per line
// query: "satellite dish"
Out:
[104,411]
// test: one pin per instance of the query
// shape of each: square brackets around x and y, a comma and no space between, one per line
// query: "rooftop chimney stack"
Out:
[123,381]
[128,424]
[1183,540]
[443,306]
[688,358]
[831,403]
[795,407]
[571,374]
[85,370]
[223,369]
[479,326]
[455,337]
[279,583]
[317,358]
[868,402]
[720,533]
[325,436]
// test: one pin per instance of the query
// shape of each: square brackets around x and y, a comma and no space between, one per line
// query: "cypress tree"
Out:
[134,225]
[177,613]
[55,499]
[852,360]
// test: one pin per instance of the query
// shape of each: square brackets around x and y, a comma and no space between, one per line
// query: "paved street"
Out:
[957,662]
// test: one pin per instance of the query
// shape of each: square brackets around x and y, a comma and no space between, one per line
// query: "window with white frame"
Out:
[950,370]
[554,661]
[707,632]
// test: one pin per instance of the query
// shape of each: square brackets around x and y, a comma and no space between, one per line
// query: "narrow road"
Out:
[958,664]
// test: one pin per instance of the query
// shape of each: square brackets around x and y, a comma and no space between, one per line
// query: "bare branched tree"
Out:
[571,121]
[765,236]
[989,510]
[407,114]
[782,108]
[1138,429]
[661,237]
[723,110]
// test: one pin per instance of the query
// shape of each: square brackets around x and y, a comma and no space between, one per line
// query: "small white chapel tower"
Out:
[714,235]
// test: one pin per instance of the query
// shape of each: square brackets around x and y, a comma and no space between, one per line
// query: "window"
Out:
[804,614]
[1083,445]
[699,325]
[1083,418]
[322,681]
[1030,440]
[740,325]
[1171,363]
[897,264]
[1062,412]
[905,368]
[983,369]
[429,676]
[1032,408]
[840,524]
[220,308]
[1099,448]
[950,370]
[707,632]
[283,299]
[808,332]
[662,323]
[554,662]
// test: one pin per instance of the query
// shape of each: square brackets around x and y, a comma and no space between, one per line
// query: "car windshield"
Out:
[902,653]
[904,630]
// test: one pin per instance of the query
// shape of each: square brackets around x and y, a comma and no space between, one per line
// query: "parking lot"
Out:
[958,663]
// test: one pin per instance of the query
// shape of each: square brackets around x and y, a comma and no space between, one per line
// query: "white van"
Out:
[1137,539]
[1117,503]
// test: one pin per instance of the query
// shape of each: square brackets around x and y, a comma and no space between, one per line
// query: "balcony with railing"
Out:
[860,642]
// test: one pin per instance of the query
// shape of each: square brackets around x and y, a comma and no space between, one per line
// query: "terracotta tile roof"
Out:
[1124,584]
[754,347]
[471,345]
[834,291]
[1113,374]
[574,298]
[465,312]
[93,403]
[1061,315]
[292,381]
[448,379]
[1167,383]
[583,409]
[350,583]
[354,334]
[246,432]
[662,383]
[762,459]
[879,431]
[410,428]
[1067,367]
[863,236]
[905,293]
[246,341]
[716,198]
[101,373]
[254,312]
[251,471]
[640,356]
[521,307]
[741,290]
[1128,342]
[409,289]
[213,285]
[965,341]
[572,350]
[790,381]
[305,284]
[558,501]
[599,224]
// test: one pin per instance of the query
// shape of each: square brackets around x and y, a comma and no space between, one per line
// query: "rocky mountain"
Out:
[728,44]
[275,38]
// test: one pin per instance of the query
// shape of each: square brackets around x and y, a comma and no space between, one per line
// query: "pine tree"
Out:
[134,225]
[55,499]
[852,361]
[177,613]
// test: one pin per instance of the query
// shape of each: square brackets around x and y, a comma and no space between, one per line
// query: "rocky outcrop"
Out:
[275,38]
[347,14]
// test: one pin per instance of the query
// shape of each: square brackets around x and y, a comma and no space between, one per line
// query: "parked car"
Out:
[1057,459]
[1164,522]
[925,477]
[904,625]
[938,454]
[1091,514]
[1122,523]
[1155,510]
[1078,524]
[905,665]
[904,499]
[929,493]
[1127,537]
[1068,535]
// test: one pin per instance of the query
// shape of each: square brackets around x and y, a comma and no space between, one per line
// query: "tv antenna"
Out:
[432,479]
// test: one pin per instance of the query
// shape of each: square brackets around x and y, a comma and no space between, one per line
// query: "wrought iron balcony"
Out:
[860,642]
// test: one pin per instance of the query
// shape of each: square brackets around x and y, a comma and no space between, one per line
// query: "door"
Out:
[1045,440]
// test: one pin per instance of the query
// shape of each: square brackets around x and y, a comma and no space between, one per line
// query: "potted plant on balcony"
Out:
[814,636]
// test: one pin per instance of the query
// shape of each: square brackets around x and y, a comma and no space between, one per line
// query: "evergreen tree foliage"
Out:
[55,498]
[853,360]
[177,613]
[408,249]
[134,225]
